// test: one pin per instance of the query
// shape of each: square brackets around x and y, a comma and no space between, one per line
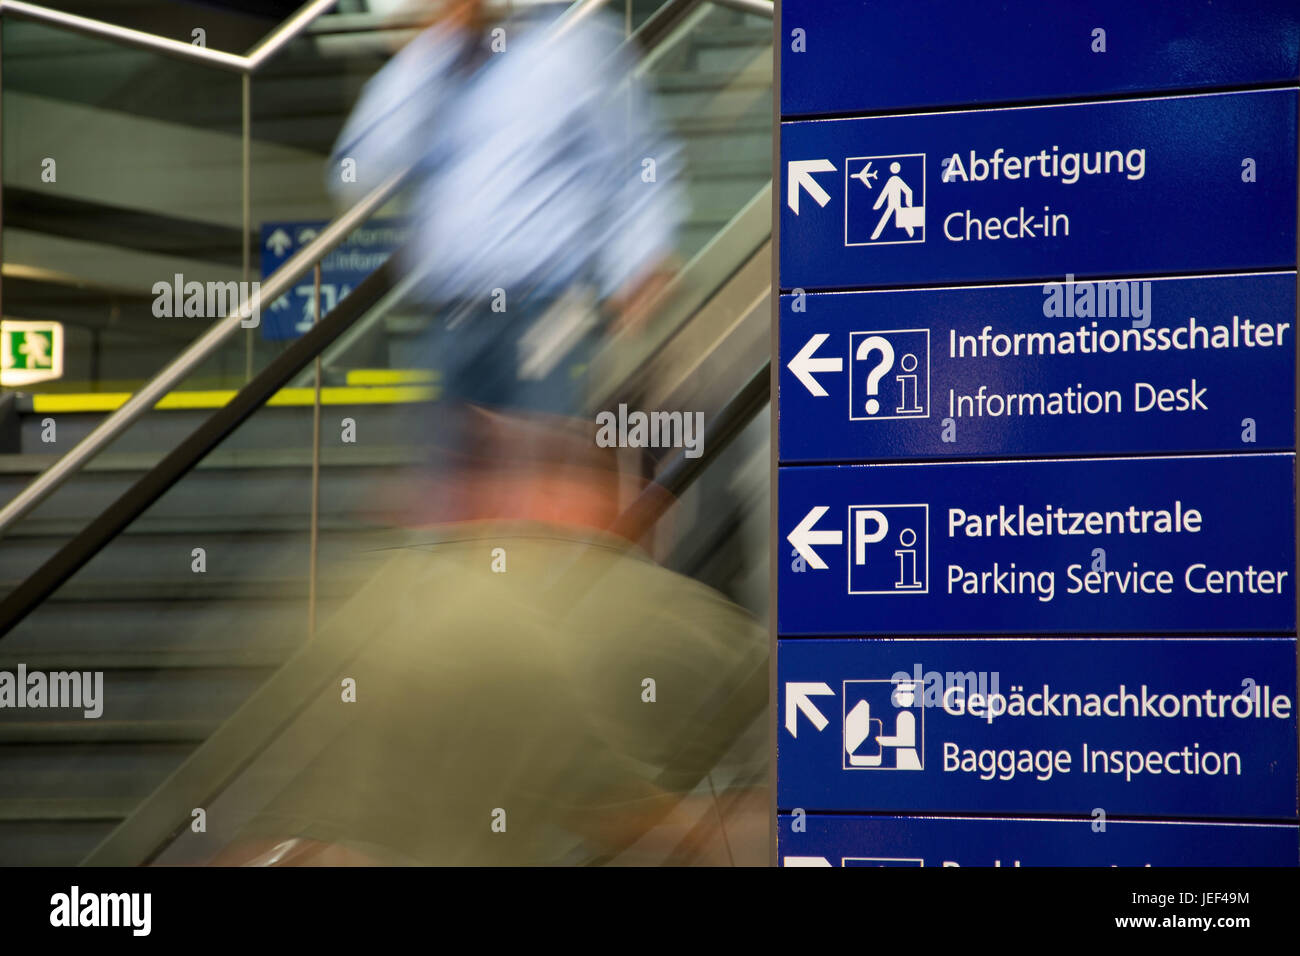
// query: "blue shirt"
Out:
[539,165]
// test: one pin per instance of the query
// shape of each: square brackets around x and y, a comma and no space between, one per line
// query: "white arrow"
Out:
[800,174]
[807,861]
[796,699]
[803,365]
[278,241]
[803,537]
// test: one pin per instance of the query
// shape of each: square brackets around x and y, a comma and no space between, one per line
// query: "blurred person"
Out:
[546,196]
[519,653]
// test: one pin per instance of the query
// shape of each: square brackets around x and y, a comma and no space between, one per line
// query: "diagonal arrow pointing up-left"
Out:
[796,699]
[800,174]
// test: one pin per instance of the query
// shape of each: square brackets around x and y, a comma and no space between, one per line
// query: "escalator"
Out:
[201,585]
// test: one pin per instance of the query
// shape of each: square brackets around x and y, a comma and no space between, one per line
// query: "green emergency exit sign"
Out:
[30,352]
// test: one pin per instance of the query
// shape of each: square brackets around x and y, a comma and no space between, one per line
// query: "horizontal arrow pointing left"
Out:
[803,537]
[803,365]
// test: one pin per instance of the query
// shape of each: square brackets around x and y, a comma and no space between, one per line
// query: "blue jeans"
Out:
[491,358]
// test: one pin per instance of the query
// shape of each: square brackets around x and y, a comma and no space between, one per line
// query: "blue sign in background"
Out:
[918,384]
[897,54]
[342,270]
[901,566]
[877,750]
[938,841]
[1189,211]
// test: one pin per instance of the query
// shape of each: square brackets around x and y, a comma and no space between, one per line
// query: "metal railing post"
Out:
[315,476]
[246,176]
[2,156]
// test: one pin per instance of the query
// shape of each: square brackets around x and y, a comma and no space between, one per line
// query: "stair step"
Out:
[104,731]
[756,33]
[150,624]
[271,428]
[204,588]
[168,558]
[747,124]
[169,658]
[236,494]
[50,842]
[332,456]
[144,697]
[340,525]
[66,808]
[669,82]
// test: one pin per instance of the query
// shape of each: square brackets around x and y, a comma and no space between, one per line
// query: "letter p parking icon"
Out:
[890,551]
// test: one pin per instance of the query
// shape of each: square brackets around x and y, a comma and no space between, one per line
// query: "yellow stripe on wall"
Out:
[390,376]
[216,398]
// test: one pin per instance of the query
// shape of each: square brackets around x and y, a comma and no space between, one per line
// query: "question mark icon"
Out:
[875,343]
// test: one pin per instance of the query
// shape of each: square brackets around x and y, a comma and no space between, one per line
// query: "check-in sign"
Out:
[1156,186]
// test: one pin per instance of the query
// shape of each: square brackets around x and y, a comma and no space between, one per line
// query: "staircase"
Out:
[180,650]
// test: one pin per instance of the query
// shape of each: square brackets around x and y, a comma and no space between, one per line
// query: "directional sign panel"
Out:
[1069,367]
[1153,727]
[1123,188]
[364,251]
[894,54]
[1140,545]
[980,841]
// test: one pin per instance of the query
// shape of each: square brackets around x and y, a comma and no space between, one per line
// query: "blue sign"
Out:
[1131,727]
[900,54]
[979,841]
[1060,249]
[364,251]
[1165,365]
[1105,545]
[1124,188]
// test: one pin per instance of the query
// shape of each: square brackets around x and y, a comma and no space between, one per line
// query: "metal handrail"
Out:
[760,8]
[285,32]
[235,62]
[268,45]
